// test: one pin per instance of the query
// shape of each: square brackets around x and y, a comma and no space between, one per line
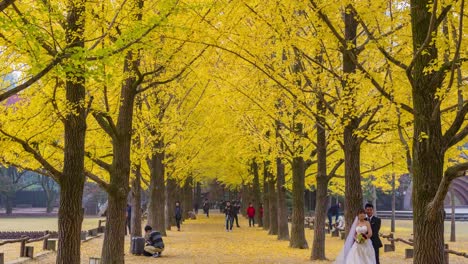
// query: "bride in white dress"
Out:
[354,252]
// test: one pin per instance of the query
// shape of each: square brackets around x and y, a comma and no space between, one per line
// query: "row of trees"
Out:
[263,96]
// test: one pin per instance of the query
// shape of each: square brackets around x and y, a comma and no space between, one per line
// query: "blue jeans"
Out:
[229,222]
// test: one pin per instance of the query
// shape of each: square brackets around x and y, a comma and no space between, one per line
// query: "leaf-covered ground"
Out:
[205,241]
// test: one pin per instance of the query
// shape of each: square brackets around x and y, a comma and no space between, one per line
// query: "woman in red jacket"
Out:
[251,214]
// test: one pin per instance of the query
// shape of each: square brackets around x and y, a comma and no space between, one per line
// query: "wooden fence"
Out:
[49,239]
[409,252]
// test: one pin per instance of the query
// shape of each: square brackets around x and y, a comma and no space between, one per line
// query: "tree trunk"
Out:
[297,228]
[392,225]
[171,200]
[114,236]
[135,223]
[157,202]
[70,215]
[188,196]
[318,244]
[428,149]
[198,196]
[283,228]
[273,204]
[352,145]
[256,195]
[266,202]
[8,204]
[452,221]
[353,189]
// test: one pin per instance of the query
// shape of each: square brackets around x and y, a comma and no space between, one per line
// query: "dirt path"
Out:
[205,241]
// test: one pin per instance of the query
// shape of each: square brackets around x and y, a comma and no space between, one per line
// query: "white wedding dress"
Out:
[357,253]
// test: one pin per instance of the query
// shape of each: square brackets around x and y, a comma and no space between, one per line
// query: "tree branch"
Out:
[376,169]
[104,185]
[450,174]
[50,50]
[153,84]
[5,3]
[380,48]
[32,80]
[450,137]
[37,156]
[332,173]
[106,123]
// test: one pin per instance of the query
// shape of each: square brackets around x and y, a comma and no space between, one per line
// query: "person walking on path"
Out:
[236,212]
[229,212]
[334,210]
[251,215]
[206,208]
[178,215]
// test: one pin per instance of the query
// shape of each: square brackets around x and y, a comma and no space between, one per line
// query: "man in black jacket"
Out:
[375,223]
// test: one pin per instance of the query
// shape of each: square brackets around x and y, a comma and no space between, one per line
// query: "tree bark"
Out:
[452,222]
[273,204]
[114,236]
[392,225]
[297,229]
[352,144]
[135,223]
[266,202]
[428,146]
[8,204]
[256,191]
[283,227]
[188,196]
[157,202]
[70,215]
[170,203]
[318,244]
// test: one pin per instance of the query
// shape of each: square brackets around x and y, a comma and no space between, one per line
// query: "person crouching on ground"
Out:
[154,243]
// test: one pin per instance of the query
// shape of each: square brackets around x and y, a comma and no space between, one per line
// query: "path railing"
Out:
[409,252]
[49,239]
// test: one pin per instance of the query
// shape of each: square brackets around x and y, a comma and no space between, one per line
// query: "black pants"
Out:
[177,220]
[127,224]
[377,260]
[229,222]
[251,221]
[237,220]
[330,220]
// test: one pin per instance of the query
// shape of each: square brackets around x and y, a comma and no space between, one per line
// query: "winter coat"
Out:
[250,212]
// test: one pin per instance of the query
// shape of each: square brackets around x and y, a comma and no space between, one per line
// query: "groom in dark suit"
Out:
[375,225]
